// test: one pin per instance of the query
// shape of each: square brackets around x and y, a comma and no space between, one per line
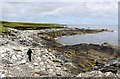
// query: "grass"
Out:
[85,52]
[29,26]
[87,68]
[3,30]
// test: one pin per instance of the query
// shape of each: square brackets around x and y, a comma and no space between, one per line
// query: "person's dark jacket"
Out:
[29,52]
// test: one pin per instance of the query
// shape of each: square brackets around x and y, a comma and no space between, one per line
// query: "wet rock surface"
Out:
[51,59]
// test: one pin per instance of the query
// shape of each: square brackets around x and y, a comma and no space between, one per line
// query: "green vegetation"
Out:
[93,65]
[3,30]
[85,52]
[29,26]
[86,68]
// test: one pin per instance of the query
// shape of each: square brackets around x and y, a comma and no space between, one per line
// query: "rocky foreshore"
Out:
[52,59]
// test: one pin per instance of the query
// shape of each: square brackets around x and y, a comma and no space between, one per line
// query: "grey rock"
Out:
[107,65]
[2,75]
[115,63]
[23,62]
[96,74]
[19,56]
[36,75]
[95,67]
[14,57]
[4,61]
[3,55]
[109,69]
[37,70]
[109,74]
[35,64]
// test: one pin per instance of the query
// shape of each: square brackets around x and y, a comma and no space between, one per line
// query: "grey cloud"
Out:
[60,0]
[58,11]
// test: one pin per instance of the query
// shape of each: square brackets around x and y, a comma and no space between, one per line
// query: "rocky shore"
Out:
[52,59]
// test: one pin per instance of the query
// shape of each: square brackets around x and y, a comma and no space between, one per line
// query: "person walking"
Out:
[29,54]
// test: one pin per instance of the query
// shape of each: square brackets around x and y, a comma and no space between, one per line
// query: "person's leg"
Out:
[29,57]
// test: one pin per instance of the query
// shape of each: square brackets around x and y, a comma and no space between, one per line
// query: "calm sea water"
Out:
[99,38]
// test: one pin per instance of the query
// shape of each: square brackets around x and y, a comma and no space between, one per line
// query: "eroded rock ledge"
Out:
[70,31]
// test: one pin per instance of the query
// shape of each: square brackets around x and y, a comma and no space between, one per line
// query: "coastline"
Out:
[98,38]
[75,58]
[102,49]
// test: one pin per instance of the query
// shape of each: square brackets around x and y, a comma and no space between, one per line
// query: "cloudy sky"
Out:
[103,12]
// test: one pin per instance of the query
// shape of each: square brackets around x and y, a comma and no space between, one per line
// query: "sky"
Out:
[94,12]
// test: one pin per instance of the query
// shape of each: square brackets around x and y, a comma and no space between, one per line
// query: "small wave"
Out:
[114,31]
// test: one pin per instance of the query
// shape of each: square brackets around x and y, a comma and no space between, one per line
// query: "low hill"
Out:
[29,26]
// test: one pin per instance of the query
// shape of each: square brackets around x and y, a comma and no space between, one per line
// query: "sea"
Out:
[98,38]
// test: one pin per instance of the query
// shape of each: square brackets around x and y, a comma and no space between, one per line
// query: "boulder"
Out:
[19,52]
[37,70]
[53,74]
[23,62]
[36,75]
[107,65]
[32,67]
[100,64]
[95,67]
[115,63]
[35,64]
[109,74]
[3,75]
[96,74]
[91,74]
[57,60]
[3,55]
[108,69]
[19,56]
[41,63]
[43,72]
[16,49]
[5,61]
[14,57]
[58,74]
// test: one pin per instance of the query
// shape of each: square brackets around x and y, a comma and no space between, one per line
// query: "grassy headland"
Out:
[29,26]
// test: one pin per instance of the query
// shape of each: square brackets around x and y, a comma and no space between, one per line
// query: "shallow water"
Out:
[98,38]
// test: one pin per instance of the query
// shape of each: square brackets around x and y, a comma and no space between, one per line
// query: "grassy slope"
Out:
[3,30]
[28,26]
